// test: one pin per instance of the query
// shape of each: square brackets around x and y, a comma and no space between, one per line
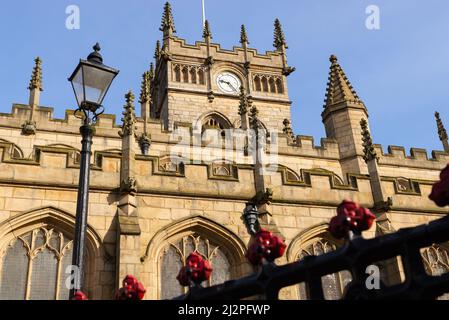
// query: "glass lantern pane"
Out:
[77,84]
[96,83]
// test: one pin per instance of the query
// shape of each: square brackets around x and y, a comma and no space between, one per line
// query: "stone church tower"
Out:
[177,177]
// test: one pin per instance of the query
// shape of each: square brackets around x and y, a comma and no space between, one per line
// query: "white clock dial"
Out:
[228,83]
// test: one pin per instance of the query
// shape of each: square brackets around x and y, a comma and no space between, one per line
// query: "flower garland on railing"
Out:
[131,289]
[351,219]
[196,271]
[265,247]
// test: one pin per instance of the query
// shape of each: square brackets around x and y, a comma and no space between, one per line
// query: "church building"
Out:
[176,173]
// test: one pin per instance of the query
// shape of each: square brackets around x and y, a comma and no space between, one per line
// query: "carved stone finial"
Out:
[243,35]
[245,103]
[288,129]
[145,89]
[279,36]
[441,130]
[339,88]
[368,148]
[254,120]
[36,76]
[167,24]
[157,51]
[333,59]
[206,31]
[129,116]
[151,72]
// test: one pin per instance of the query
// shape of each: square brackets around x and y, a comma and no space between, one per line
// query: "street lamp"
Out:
[90,81]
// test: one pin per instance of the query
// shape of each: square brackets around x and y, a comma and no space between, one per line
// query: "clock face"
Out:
[228,83]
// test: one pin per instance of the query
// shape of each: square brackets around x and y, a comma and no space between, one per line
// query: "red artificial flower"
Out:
[440,190]
[196,270]
[265,246]
[350,217]
[131,289]
[79,295]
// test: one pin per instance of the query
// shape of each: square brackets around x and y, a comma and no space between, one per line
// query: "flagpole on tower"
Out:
[204,13]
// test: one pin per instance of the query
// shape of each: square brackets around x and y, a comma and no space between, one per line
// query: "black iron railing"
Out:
[355,256]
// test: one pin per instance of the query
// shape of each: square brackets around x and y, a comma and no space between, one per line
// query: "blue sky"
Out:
[401,71]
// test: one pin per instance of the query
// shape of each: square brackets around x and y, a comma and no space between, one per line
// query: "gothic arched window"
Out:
[201,76]
[272,85]
[279,86]
[436,262]
[264,84]
[175,254]
[333,284]
[185,74]
[193,75]
[177,74]
[33,266]
[257,85]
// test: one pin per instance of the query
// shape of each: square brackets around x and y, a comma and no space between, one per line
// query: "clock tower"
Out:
[202,83]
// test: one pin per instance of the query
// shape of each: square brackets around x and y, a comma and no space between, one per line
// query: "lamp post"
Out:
[90,81]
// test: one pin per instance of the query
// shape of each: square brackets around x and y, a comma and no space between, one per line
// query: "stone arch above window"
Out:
[168,249]
[36,249]
[316,241]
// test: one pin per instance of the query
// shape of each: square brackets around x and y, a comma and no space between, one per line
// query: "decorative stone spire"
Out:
[151,72]
[368,148]
[167,24]
[254,118]
[145,89]
[129,116]
[288,129]
[36,77]
[245,104]
[207,35]
[442,132]
[157,51]
[339,89]
[279,37]
[243,36]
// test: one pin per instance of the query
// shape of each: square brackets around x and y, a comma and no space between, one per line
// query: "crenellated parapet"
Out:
[198,51]
[418,158]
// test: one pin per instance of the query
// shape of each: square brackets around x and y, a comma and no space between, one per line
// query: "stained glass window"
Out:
[33,266]
[175,254]
[333,284]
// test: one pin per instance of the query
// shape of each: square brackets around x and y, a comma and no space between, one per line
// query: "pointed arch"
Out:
[222,121]
[46,225]
[315,241]
[167,250]
[197,223]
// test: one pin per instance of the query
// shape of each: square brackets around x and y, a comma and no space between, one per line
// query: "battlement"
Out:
[179,47]
[418,157]
[304,146]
